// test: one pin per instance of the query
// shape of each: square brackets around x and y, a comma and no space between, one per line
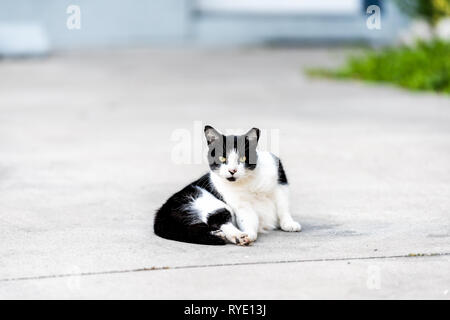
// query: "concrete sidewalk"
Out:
[85,160]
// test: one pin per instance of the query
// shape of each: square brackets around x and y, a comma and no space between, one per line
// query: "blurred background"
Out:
[29,26]
[40,28]
[98,97]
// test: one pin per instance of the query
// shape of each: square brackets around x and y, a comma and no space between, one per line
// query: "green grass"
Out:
[425,66]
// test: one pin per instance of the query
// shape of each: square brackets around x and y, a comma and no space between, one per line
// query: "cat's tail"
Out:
[199,233]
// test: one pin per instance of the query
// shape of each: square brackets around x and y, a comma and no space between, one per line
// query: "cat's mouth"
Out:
[231,179]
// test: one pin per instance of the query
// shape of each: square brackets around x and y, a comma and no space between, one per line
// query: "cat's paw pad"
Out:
[291,226]
[242,240]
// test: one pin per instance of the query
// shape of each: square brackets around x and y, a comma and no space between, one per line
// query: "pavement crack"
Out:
[145,269]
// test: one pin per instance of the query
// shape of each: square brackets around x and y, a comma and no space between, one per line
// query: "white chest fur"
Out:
[254,193]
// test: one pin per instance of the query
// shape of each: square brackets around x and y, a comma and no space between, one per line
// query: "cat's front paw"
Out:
[290,226]
[242,240]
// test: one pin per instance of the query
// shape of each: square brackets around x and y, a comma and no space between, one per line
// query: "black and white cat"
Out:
[245,192]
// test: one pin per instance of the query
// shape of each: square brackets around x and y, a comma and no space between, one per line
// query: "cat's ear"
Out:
[253,135]
[211,134]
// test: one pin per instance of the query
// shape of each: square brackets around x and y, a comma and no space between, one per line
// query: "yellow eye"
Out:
[242,159]
[222,159]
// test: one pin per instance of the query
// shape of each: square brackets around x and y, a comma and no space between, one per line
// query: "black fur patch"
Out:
[250,154]
[205,183]
[218,218]
[282,179]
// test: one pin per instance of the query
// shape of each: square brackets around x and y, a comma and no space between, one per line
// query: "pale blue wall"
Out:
[174,22]
[104,22]
[215,29]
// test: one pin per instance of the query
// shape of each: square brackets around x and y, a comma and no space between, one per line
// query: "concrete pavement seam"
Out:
[67,275]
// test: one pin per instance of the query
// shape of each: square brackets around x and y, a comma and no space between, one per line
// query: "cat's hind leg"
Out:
[221,222]
[218,216]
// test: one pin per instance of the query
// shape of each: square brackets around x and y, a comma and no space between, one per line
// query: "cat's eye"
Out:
[242,159]
[222,159]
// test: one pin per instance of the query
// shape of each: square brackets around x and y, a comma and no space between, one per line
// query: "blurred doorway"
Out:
[307,7]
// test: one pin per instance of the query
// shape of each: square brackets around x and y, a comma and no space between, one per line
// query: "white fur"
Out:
[207,203]
[234,235]
[233,163]
[258,201]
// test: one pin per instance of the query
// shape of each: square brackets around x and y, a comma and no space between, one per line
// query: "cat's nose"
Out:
[232,171]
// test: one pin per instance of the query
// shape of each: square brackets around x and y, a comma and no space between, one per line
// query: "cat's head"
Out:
[232,157]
